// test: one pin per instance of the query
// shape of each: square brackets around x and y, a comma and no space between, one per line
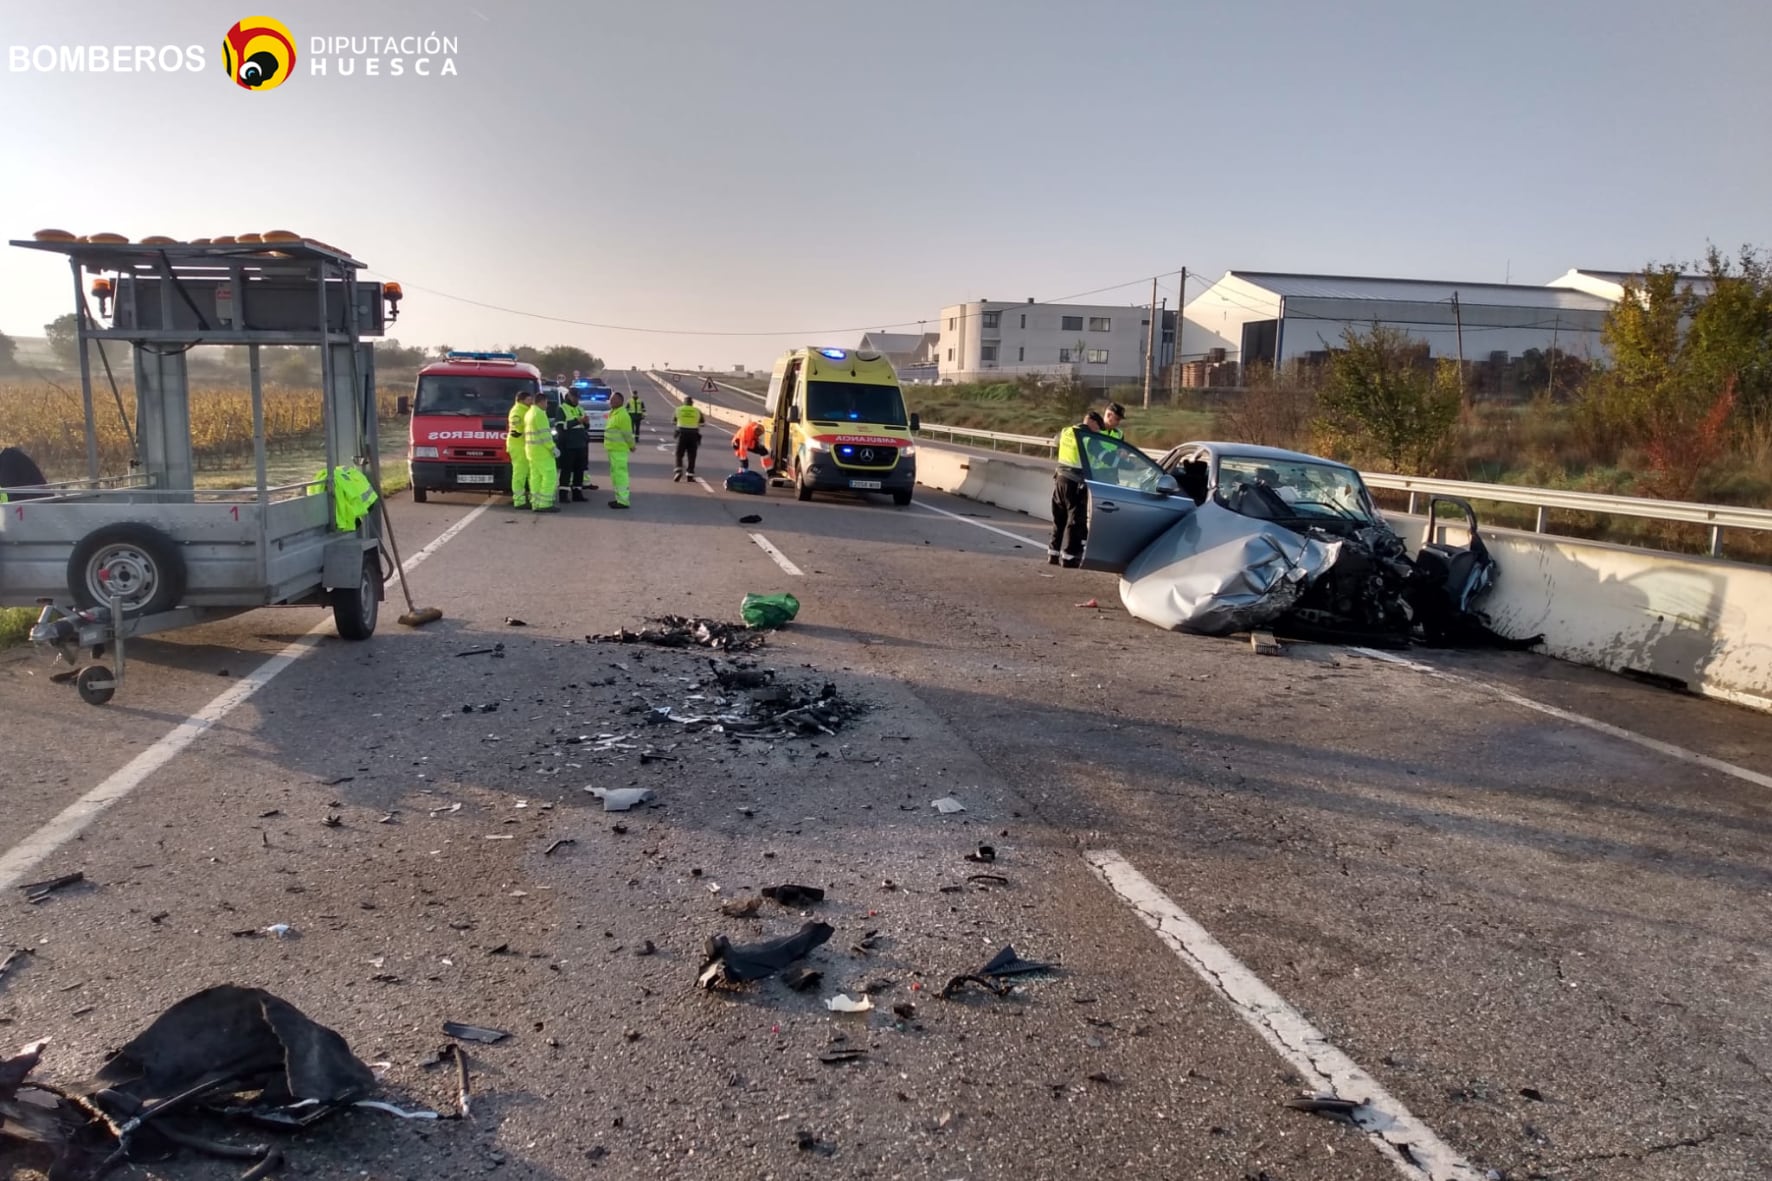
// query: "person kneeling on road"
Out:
[688,420]
[618,442]
[748,442]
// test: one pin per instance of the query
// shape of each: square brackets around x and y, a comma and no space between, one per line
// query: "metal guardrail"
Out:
[1717,516]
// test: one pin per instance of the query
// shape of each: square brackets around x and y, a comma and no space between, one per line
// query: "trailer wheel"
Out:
[95,684]
[420,493]
[356,610]
[138,562]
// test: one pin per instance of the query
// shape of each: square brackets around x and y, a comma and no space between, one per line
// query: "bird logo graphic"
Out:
[259,53]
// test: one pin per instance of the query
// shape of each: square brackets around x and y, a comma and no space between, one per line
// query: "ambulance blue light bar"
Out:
[833,354]
[455,355]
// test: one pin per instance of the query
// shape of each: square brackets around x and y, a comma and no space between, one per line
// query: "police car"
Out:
[593,399]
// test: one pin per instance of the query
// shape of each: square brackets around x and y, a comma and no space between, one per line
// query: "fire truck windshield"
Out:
[470,397]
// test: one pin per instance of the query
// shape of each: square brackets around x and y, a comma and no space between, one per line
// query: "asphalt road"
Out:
[1544,944]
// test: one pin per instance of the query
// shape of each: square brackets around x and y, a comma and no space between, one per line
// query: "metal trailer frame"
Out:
[116,556]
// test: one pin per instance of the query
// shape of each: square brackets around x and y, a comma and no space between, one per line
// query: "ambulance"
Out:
[837,423]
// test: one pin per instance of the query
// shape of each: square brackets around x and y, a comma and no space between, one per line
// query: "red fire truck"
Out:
[460,413]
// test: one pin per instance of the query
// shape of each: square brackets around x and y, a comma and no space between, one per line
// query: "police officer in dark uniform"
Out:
[573,434]
[1070,498]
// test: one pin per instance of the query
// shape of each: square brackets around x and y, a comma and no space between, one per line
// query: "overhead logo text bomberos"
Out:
[259,53]
[104,59]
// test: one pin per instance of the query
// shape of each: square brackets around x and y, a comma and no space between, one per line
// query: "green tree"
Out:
[64,338]
[8,354]
[390,354]
[564,358]
[1729,339]
[1385,397]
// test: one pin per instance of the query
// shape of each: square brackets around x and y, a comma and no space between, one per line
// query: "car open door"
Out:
[1132,501]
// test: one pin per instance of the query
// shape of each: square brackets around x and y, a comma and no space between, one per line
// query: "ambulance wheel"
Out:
[420,493]
[95,684]
[355,611]
[901,498]
[140,563]
[802,487]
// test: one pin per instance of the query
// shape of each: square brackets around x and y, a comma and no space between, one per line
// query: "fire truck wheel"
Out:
[138,562]
[420,493]
[355,611]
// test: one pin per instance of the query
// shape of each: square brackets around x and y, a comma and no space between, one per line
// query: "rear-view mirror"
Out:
[1167,485]
[916,423]
[403,405]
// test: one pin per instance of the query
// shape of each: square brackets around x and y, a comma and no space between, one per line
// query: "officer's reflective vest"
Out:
[689,417]
[1068,454]
[636,405]
[575,428]
[352,496]
[1112,432]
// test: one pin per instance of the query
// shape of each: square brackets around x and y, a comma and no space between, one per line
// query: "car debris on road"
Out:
[727,964]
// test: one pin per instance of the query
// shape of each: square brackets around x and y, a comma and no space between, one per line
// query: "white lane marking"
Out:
[781,559]
[70,821]
[705,486]
[978,524]
[1756,778]
[1386,1121]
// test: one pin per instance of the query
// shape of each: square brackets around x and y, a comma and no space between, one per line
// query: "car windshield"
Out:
[1281,488]
[847,401]
[471,396]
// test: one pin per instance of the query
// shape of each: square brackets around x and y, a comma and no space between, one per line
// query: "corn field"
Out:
[45,421]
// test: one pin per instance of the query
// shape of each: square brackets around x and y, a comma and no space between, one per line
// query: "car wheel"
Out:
[420,493]
[901,498]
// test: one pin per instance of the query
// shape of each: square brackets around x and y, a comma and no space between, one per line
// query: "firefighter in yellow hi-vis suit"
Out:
[544,467]
[518,452]
[618,442]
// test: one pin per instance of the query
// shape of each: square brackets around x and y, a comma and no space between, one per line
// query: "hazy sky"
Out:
[792,167]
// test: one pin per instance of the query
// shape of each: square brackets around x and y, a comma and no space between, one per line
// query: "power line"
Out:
[874,326]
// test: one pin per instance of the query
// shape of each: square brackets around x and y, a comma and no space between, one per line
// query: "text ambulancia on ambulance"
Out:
[838,423]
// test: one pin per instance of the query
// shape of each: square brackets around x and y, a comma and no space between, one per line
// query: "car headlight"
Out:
[908,449]
[817,445]
[424,453]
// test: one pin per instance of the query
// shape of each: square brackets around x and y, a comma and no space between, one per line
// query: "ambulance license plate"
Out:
[473,479]
[871,485]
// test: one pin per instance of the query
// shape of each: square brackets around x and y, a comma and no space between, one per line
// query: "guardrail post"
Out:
[1543,520]
[1412,504]
[1716,541]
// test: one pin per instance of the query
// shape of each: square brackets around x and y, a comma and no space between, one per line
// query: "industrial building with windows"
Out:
[1098,344]
[1269,319]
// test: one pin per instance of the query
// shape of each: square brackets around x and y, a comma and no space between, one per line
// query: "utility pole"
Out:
[1458,321]
[1150,346]
[1180,315]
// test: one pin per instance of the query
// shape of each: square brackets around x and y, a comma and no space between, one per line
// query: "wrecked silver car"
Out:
[1224,537]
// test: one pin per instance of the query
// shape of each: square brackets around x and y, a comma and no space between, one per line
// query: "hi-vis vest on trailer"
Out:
[352,496]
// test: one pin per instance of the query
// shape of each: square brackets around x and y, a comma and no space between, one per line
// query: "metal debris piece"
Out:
[958,983]
[513,621]
[682,631]
[1326,1105]
[750,519]
[621,799]
[1007,963]
[985,854]
[947,805]
[549,851]
[727,964]
[987,879]
[843,1054]
[13,957]
[1263,643]
[333,820]
[38,891]
[792,895]
[646,948]
[474,1033]
[844,1003]
[803,979]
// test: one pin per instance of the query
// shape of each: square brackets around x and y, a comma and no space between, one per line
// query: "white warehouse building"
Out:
[1098,344]
[1268,318]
